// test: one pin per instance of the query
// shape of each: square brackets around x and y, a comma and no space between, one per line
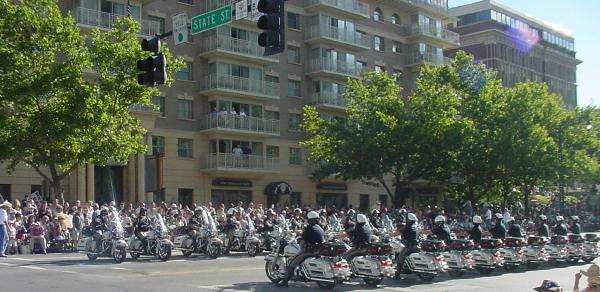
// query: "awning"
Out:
[278,188]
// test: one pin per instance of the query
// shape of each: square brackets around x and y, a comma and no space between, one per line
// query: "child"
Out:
[12,238]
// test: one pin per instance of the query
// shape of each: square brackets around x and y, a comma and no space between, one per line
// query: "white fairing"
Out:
[85,244]
[318,268]
[366,266]
[422,261]
[183,241]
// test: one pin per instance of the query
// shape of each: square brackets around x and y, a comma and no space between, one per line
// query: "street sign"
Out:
[241,10]
[211,19]
[180,31]
[254,13]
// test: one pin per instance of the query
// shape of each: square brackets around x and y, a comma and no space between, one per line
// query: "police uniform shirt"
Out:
[313,236]
[498,231]
[476,233]
[515,230]
[360,235]
[442,232]
[410,234]
[544,230]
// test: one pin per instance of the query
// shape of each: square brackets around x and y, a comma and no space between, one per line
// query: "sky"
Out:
[582,18]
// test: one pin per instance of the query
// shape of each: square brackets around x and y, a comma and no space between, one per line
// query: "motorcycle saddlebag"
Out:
[332,249]
[379,249]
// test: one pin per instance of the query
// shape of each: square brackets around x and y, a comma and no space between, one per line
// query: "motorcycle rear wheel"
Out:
[572,261]
[186,253]
[553,263]
[119,254]
[510,267]
[326,285]
[426,277]
[533,265]
[373,282]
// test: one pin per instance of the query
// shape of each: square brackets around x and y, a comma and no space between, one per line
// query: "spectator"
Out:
[237,151]
[548,286]
[593,279]
[38,236]
[4,209]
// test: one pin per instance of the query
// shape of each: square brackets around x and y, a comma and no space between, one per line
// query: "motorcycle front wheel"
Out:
[533,265]
[510,267]
[164,252]
[485,271]
[213,251]
[119,254]
[373,282]
[253,249]
[92,257]
[272,271]
[456,273]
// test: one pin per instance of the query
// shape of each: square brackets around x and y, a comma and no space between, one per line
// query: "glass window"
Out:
[293,55]
[186,72]
[377,14]
[360,66]
[5,192]
[184,148]
[185,197]
[159,101]
[272,115]
[271,78]
[184,109]
[378,44]
[294,88]
[158,145]
[295,156]
[293,122]
[159,20]
[293,20]
[395,19]
[272,151]
[379,68]
[396,47]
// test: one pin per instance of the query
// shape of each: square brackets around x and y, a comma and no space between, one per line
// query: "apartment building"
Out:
[228,130]
[518,46]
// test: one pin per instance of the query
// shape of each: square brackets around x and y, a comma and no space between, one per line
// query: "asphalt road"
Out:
[73,272]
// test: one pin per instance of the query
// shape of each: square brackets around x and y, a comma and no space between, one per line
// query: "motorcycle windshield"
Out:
[115,224]
[210,222]
[159,224]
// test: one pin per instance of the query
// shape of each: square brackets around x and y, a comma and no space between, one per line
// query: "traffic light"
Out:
[154,68]
[273,25]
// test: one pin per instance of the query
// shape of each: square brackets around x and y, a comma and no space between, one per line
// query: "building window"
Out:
[184,109]
[395,19]
[185,148]
[294,88]
[378,44]
[332,199]
[160,21]
[293,122]
[379,69]
[271,115]
[360,66]
[158,145]
[397,47]
[377,15]
[271,78]
[36,188]
[5,192]
[159,101]
[186,72]
[295,156]
[272,151]
[296,199]
[185,197]
[293,55]
[293,20]
[398,76]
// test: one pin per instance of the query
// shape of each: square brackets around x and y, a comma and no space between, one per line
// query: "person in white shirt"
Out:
[4,209]
[237,151]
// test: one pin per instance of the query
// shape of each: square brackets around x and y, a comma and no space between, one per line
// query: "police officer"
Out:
[560,228]
[230,226]
[410,238]
[514,229]
[142,225]
[312,237]
[100,225]
[441,229]
[297,221]
[498,230]
[476,231]
[376,219]
[575,227]
[542,228]
[360,236]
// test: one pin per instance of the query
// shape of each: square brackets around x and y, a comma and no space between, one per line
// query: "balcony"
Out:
[334,36]
[416,59]
[438,7]
[349,8]
[229,163]
[144,109]
[325,67]
[218,84]
[329,100]
[95,18]
[444,37]
[239,49]
[216,123]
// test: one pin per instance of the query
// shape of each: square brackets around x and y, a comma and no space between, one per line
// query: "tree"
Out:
[52,115]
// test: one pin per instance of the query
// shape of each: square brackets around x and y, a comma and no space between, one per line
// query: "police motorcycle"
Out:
[535,252]
[205,240]
[459,257]
[327,268]
[590,247]
[575,248]
[487,256]
[156,241]
[244,239]
[427,263]
[253,242]
[557,249]
[111,242]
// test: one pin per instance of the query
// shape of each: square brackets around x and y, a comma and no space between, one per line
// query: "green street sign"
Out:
[211,19]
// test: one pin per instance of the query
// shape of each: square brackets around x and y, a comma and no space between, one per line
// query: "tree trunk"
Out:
[400,197]
[56,189]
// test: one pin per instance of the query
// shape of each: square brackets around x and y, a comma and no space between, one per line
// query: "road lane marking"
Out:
[68,272]
[163,274]
[7,264]
[34,268]
[117,268]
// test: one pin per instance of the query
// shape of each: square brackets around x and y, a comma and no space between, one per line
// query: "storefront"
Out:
[280,193]
[332,194]
[230,191]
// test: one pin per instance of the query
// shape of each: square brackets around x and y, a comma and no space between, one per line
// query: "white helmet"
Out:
[510,219]
[477,219]
[543,217]
[231,211]
[312,215]
[499,216]
[298,210]
[439,218]
[361,218]
[559,218]
[411,217]
[575,218]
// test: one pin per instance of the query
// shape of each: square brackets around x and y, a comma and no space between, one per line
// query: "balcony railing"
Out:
[242,161]
[326,64]
[106,20]
[429,58]
[329,31]
[241,84]
[227,43]
[436,32]
[329,98]
[439,6]
[143,108]
[242,123]
[352,6]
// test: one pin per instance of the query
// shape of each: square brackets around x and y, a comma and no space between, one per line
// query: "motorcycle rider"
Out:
[360,236]
[230,226]
[410,238]
[542,228]
[441,229]
[498,230]
[376,219]
[312,237]
[575,227]
[297,221]
[514,229]
[560,228]
[141,226]
[100,224]
[477,231]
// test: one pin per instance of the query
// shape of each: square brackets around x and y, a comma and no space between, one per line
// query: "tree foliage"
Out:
[65,97]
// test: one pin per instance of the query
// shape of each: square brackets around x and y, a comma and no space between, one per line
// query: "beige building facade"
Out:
[227,131]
